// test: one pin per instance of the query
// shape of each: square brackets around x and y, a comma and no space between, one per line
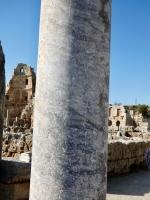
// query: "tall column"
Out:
[71,104]
[7,118]
[2,93]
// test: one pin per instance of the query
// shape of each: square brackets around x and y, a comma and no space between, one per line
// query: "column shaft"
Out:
[2,93]
[7,118]
[71,102]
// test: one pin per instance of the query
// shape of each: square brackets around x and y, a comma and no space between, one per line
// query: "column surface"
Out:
[2,93]
[7,118]
[71,103]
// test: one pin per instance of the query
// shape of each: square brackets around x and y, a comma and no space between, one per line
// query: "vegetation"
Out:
[143,109]
[117,104]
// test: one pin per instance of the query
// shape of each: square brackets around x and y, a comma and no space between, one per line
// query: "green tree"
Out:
[142,109]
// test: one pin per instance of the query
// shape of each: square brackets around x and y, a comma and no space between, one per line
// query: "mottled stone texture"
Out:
[71,103]
[2,92]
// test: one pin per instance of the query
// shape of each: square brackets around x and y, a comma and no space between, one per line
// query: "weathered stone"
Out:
[19,91]
[7,118]
[121,167]
[16,191]
[118,150]
[26,157]
[16,143]
[71,102]
[2,93]
[126,151]
[133,156]
[111,168]
[109,136]
[111,154]
[13,170]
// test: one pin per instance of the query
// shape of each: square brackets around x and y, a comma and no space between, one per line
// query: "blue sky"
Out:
[130,52]
[130,44]
[19,25]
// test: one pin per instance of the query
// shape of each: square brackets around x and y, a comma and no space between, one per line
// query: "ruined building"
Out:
[119,116]
[20,90]
[142,122]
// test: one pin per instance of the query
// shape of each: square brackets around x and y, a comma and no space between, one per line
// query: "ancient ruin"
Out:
[121,117]
[20,91]
[14,144]
[128,139]
[14,174]
[70,135]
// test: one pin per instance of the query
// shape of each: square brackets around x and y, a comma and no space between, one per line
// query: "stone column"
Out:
[71,102]
[7,118]
[2,93]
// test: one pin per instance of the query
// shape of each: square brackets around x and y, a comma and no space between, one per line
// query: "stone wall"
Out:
[126,155]
[20,89]
[28,112]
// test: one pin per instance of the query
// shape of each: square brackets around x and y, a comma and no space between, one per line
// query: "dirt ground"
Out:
[129,187]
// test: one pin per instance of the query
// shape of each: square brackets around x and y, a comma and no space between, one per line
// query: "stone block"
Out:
[137,161]
[111,153]
[111,167]
[14,129]
[126,151]
[118,150]
[17,191]
[146,136]
[132,148]
[115,137]
[121,167]
[144,148]
[12,170]
[148,144]
[131,163]
[138,148]
[27,131]
[26,157]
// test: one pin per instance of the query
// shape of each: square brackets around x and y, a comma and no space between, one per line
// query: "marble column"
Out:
[71,102]
[2,93]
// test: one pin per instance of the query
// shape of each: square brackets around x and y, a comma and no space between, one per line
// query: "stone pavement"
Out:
[129,187]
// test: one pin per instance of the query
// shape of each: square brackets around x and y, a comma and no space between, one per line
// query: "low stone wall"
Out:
[126,155]
[14,179]
[116,135]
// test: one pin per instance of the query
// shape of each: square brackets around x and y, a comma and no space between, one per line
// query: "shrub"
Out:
[142,109]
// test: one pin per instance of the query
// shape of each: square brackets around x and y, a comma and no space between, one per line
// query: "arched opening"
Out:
[109,123]
[117,123]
